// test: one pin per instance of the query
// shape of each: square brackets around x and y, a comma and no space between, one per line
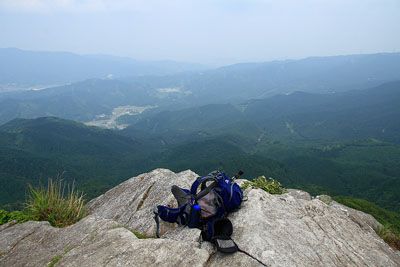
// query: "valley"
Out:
[111,121]
[342,139]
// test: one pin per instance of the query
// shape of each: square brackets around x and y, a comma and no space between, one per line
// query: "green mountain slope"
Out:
[282,137]
[80,101]
[366,169]
[194,124]
[351,115]
[331,143]
[360,114]
[33,150]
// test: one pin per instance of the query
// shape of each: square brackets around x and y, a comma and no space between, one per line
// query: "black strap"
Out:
[251,256]
[206,190]
[203,184]
[200,240]
[157,219]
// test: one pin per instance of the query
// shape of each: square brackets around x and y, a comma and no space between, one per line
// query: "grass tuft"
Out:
[54,261]
[390,236]
[59,203]
[269,185]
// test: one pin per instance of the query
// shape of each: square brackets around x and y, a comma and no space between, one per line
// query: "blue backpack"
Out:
[205,206]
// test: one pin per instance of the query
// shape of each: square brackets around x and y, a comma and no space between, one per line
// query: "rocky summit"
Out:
[291,229]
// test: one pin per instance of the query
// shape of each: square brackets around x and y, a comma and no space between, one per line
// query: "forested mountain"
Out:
[85,101]
[324,143]
[196,123]
[370,113]
[31,151]
[258,80]
[305,122]
[342,143]
[79,101]
[357,114]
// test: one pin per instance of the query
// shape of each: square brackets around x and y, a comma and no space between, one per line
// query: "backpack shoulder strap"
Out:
[202,181]
[206,190]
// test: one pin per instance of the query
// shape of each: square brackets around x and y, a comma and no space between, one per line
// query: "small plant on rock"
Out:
[140,235]
[58,203]
[269,185]
[54,261]
[17,216]
[390,236]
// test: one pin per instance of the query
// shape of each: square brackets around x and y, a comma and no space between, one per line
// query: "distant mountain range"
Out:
[259,80]
[28,68]
[89,99]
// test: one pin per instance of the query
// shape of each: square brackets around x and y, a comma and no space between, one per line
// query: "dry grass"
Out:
[58,203]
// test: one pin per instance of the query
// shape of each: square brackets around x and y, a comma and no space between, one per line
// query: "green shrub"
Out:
[18,216]
[269,185]
[390,236]
[58,203]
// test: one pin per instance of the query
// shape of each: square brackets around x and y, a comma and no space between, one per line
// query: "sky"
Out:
[203,31]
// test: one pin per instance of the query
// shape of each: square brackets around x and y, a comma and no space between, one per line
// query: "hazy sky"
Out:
[207,31]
